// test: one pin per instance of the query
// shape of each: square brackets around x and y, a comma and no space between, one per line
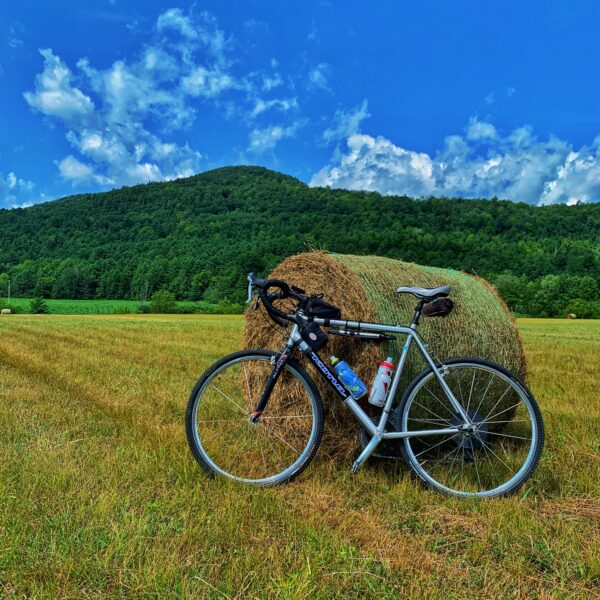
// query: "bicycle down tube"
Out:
[411,335]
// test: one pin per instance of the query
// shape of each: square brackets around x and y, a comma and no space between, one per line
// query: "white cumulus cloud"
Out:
[174,19]
[282,104]
[270,82]
[318,77]
[376,164]
[263,139]
[208,83]
[481,163]
[126,121]
[54,93]
[122,120]
[480,130]
[77,172]
[346,123]
[15,192]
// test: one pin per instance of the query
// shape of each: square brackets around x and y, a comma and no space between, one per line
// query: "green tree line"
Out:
[198,237]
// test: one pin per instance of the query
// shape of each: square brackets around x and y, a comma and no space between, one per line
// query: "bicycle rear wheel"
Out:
[497,455]
[224,440]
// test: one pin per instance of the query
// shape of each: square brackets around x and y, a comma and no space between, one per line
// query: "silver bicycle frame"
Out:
[377,432]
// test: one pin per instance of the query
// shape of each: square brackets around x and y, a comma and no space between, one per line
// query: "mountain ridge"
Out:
[199,235]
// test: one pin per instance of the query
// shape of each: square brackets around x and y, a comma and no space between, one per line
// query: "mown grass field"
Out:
[99,496]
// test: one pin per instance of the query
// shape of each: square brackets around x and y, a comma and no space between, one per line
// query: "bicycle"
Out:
[466,426]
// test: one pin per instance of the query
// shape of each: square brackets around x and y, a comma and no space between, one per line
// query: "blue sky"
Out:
[454,98]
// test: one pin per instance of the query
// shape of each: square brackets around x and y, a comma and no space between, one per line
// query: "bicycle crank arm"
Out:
[386,455]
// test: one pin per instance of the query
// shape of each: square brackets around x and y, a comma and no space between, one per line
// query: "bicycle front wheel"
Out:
[492,458]
[224,440]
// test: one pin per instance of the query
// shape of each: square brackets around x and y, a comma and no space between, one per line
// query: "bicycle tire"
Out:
[292,366]
[398,419]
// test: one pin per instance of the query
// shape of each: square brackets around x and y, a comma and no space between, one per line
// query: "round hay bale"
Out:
[364,288]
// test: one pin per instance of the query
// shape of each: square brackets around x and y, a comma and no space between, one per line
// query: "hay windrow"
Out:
[364,288]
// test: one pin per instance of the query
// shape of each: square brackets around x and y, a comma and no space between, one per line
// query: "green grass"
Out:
[94,307]
[99,496]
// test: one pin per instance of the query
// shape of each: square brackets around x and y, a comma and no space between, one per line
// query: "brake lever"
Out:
[250,282]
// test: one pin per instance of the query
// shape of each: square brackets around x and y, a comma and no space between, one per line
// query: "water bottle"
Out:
[349,378]
[381,383]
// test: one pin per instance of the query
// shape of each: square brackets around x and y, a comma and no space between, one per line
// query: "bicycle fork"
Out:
[278,366]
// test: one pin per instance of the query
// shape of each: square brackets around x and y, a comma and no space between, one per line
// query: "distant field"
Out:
[95,307]
[99,496]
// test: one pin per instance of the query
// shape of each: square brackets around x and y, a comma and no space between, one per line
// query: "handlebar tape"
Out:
[264,285]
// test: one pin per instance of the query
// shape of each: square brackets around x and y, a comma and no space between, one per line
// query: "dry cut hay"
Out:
[364,288]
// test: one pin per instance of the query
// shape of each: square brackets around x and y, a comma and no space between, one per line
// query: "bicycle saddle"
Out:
[426,293]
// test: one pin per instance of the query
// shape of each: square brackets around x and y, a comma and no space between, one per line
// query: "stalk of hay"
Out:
[364,288]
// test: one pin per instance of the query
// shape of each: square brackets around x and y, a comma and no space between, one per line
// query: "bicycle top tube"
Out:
[356,325]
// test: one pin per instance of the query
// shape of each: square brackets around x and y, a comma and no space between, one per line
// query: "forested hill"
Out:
[199,236]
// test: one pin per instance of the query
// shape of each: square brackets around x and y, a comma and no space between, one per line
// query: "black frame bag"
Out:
[317,307]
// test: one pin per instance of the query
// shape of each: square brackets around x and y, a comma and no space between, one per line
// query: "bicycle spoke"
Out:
[431,421]
[477,471]
[485,393]
[286,406]
[248,390]
[510,421]
[438,400]
[241,419]
[441,460]
[489,461]
[281,439]
[435,446]
[206,440]
[456,455]
[503,411]
[499,400]
[489,447]
[471,390]
[462,398]
[516,437]
[434,414]
[230,400]
[288,417]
